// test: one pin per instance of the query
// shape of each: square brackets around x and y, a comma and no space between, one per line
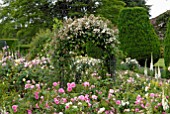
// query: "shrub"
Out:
[39,43]
[137,36]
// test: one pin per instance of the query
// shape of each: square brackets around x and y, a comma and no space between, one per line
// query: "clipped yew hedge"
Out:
[137,36]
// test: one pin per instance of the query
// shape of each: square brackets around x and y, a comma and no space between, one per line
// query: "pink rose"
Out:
[86,84]
[61,90]
[55,84]
[81,97]
[56,101]
[69,89]
[118,102]
[14,107]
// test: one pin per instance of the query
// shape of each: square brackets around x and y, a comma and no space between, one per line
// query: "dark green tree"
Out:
[110,9]
[22,19]
[137,3]
[167,46]
[137,36]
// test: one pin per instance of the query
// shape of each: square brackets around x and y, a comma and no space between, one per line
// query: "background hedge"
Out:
[137,36]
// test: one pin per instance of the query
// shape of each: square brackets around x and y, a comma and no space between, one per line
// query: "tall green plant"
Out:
[137,36]
[167,46]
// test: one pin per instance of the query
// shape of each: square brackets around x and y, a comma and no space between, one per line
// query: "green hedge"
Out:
[167,45]
[12,43]
[137,36]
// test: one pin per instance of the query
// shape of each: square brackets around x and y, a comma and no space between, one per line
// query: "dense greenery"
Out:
[22,19]
[167,46]
[137,36]
[110,9]
[136,3]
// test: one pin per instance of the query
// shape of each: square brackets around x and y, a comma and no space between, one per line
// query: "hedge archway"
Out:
[85,36]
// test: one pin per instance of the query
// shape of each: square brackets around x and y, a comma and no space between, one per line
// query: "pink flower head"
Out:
[67,106]
[29,112]
[56,101]
[37,106]
[118,102]
[47,106]
[152,95]
[14,107]
[86,84]
[61,90]
[36,95]
[64,100]
[81,97]
[136,110]
[69,89]
[94,97]
[55,84]
[38,86]
[27,86]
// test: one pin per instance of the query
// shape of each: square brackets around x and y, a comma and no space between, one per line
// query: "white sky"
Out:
[158,6]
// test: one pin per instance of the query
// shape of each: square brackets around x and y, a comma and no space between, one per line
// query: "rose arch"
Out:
[87,36]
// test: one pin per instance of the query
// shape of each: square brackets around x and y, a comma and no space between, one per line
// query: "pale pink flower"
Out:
[32,86]
[118,102]
[37,106]
[56,101]
[86,84]
[94,97]
[64,100]
[55,84]
[111,91]
[36,95]
[27,86]
[152,95]
[47,106]
[61,90]
[136,110]
[29,112]
[38,86]
[81,97]
[14,107]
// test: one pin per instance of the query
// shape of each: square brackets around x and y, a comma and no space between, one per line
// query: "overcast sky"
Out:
[158,6]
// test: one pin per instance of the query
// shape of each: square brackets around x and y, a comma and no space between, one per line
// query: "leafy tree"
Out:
[137,36]
[137,3]
[23,18]
[110,9]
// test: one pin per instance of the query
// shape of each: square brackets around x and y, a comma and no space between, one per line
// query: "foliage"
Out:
[12,43]
[73,40]
[38,44]
[15,70]
[22,19]
[137,35]
[137,3]
[110,9]
[131,64]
